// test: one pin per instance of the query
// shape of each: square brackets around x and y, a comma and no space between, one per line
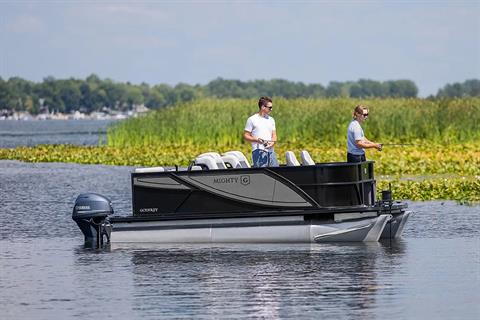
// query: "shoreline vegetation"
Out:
[421,177]
[23,98]
[436,153]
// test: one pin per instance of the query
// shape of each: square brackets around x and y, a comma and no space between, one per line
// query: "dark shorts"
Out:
[355,157]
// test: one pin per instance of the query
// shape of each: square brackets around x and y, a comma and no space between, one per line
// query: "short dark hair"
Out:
[263,101]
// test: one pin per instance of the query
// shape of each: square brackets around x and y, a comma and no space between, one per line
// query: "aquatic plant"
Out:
[415,174]
[463,160]
[463,189]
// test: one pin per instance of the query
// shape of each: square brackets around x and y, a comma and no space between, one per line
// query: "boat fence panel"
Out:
[255,188]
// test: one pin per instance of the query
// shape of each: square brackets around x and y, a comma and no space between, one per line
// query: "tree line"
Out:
[95,94]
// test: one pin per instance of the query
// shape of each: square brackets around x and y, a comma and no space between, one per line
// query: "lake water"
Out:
[46,273]
[29,133]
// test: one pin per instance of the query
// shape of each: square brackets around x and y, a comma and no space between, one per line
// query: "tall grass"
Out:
[220,122]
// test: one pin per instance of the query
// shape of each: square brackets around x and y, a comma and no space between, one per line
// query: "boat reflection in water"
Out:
[222,199]
[262,280]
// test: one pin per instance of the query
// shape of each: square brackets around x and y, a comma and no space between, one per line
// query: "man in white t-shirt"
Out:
[260,131]
[356,140]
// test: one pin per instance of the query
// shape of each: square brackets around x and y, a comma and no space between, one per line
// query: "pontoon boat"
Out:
[220,198]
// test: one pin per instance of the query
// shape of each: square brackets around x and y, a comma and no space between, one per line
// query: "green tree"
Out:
[185,92]
[7,99]
[70,94]
[469,88]
[334,89]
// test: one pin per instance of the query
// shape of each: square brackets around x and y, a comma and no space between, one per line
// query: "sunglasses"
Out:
[365,114]
[269,107]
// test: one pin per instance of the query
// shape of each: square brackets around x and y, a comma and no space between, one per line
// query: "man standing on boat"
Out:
[356,140]
[260,131]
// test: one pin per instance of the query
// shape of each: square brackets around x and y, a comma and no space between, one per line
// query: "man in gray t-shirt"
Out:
[356,140]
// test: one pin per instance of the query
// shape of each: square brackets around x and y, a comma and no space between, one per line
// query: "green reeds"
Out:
[220,122]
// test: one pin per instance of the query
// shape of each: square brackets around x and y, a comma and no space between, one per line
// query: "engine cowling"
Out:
[91,212]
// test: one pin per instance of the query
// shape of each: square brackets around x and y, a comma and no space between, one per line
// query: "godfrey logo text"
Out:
[148,210]
[245,180]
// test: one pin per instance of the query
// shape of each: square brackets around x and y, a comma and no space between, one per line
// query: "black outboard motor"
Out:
[91,213]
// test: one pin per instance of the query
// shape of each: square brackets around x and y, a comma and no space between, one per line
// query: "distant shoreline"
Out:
[104,114]
[24,116]
[67,119]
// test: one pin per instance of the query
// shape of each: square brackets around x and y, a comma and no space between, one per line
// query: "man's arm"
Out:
[274,139]
[367,144]
[247,135]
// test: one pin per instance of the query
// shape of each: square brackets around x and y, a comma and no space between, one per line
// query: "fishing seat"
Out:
[216,156]
[231,161]
[206,161]
[291,159]
[306,159]
[240,156]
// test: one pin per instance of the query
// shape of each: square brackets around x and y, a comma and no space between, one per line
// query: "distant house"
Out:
[77,115]
[140,108]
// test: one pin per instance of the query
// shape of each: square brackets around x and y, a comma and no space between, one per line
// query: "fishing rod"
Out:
[399,144]
[266,142]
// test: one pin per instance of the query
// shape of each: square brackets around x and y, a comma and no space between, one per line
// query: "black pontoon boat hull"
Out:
[318,203]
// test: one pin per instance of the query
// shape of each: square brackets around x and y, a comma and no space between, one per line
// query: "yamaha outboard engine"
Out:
[91,213]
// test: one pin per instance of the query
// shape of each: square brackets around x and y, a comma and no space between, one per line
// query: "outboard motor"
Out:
[91,213]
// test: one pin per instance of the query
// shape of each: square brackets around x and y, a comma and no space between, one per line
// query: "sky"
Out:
[429,42]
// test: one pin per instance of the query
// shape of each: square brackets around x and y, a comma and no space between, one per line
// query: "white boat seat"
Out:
[240,156]
[216,156]
[306,159]
[206,161]
[196,168]
[291,159]
[152,169]
[231,161]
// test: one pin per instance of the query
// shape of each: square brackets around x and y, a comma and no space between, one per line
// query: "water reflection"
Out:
[269,281]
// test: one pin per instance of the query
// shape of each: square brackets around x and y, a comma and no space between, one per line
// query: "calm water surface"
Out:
[15,133]
[46,273]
